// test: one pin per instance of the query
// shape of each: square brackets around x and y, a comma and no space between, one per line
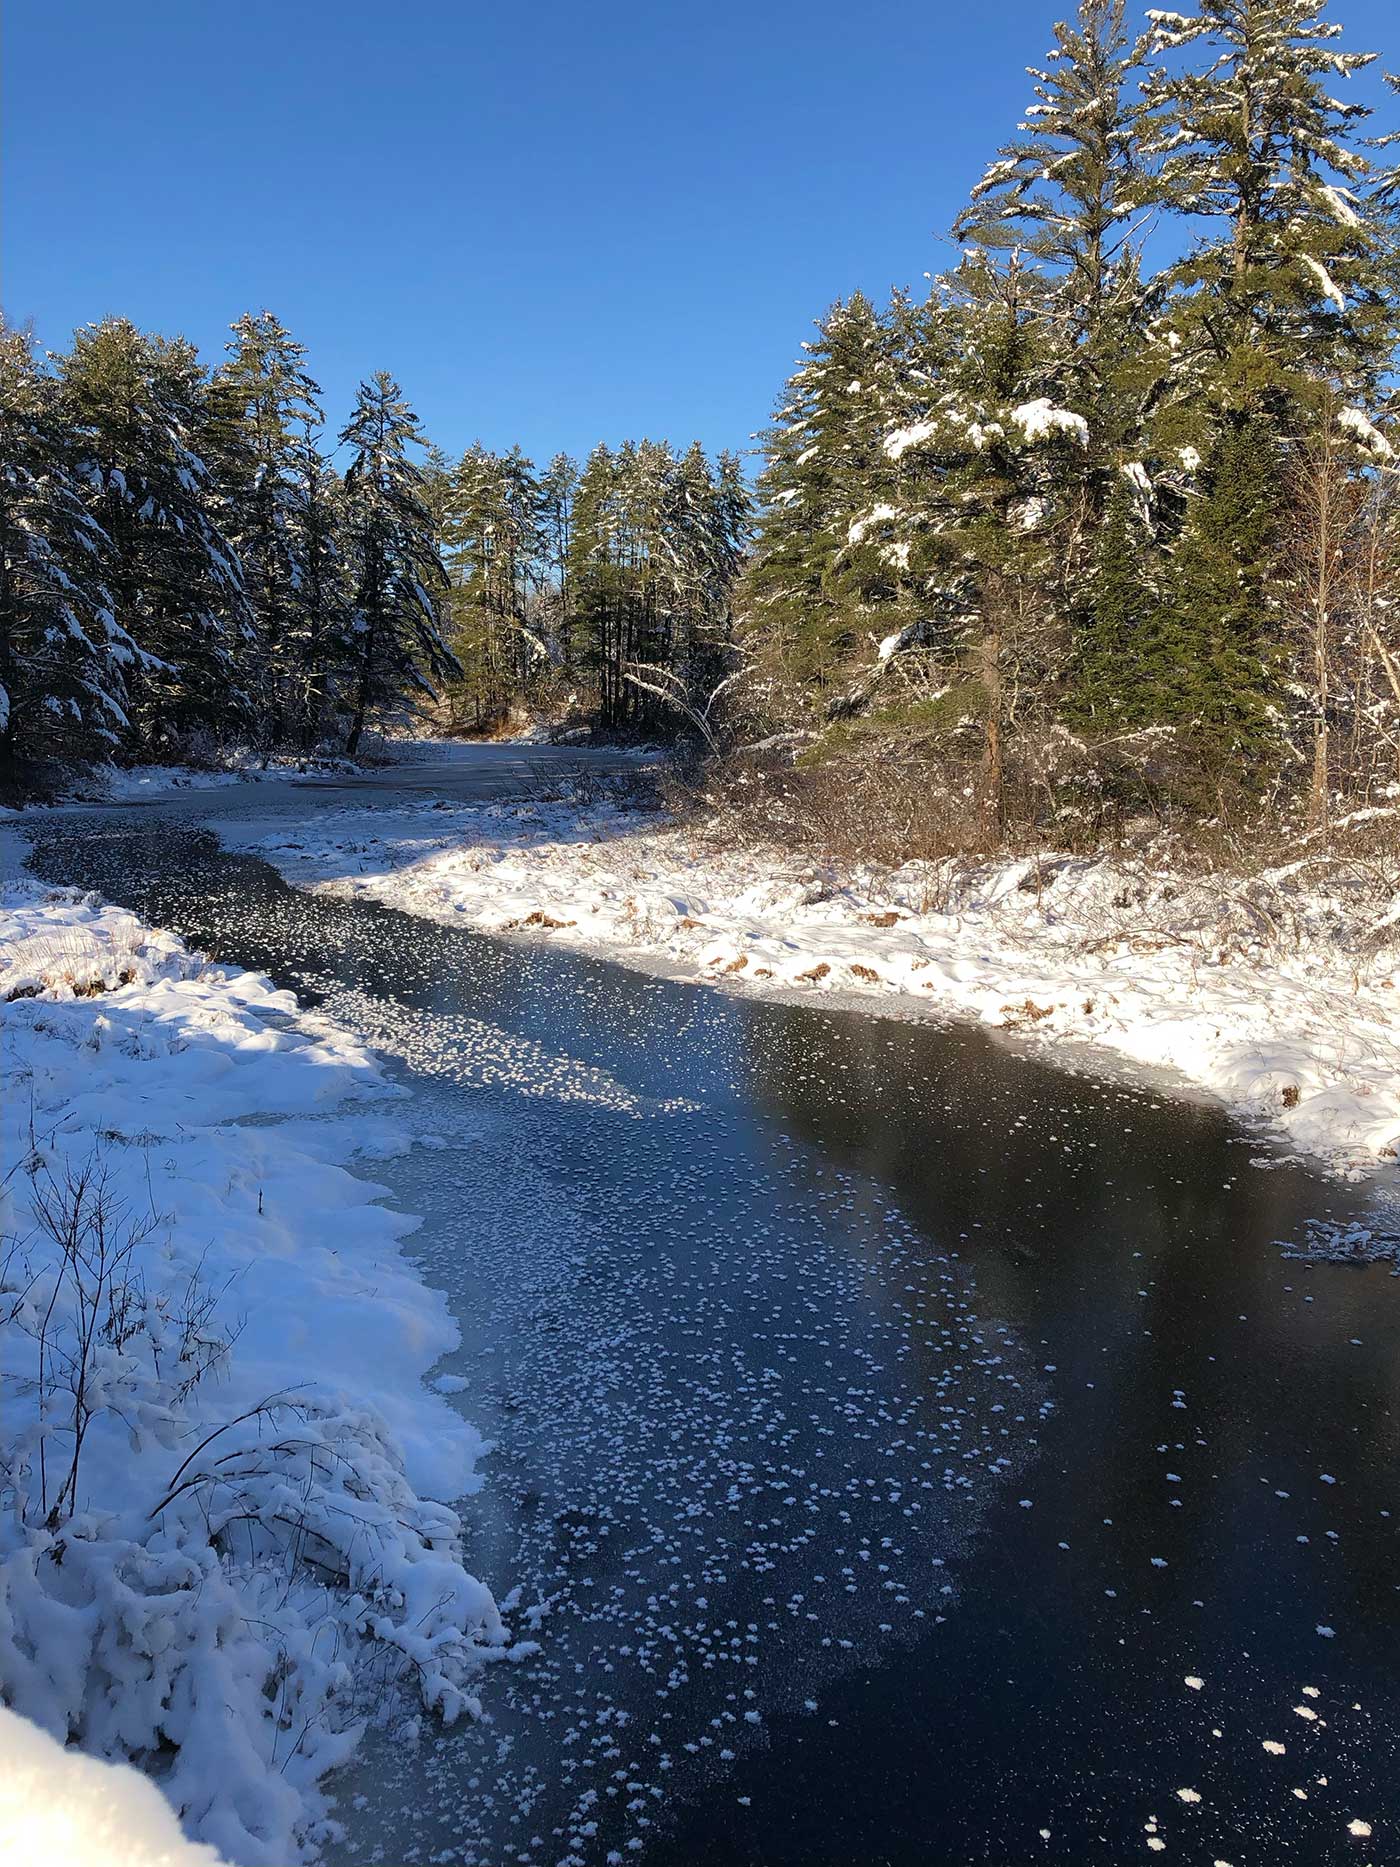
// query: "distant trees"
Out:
[184,566]
[395,648]
[260,405]
[1078,533]
[606,586]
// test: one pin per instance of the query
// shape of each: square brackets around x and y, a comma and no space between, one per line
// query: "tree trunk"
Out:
[993,801]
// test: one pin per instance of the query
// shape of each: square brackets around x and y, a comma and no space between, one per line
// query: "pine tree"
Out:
[1286,282]
[320,663]
[1222,605]
[1067,195]
[64,659]
[818,570]
[259,400]
[398,651]
[1063,193]
[136,409]
[1129,649]
[979,477]
[492,546]
[597,580]
[557,491]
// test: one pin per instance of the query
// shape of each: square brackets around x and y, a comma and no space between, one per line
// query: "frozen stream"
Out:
[916,1453]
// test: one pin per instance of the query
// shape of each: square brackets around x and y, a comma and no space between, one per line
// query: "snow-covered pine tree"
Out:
[1285,283]
[64,659]
[1064,192]
[819,582]
[519,568]
[259,402]
[319,598]
[694,556]
[656,567]
[598,577]
[981,467]
[1129,652]
[1067,195]
[399,654]
[136,410]
[1385,182]
[491,547]
[1280,307]
[1222,606]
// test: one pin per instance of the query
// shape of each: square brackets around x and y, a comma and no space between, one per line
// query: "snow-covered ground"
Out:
[225,1523]
[133,784]
[1281,995]
[58,1806]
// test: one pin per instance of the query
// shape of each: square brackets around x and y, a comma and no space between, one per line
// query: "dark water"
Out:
[890,1424]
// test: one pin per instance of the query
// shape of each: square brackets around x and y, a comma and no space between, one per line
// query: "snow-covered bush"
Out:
[213,1561]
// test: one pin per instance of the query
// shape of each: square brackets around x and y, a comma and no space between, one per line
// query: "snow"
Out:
[899,639]
[219,1532]
[1036,421]
[901,440]
[1040,420]
[1193,974]
[1339,201]
[1326,284]
[131,784]
[878,515]
[58,1806]
[1361,429]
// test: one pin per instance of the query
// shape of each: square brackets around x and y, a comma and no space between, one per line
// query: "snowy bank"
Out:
[57,1806]
[1281,995]
[133,784]
[224,1538]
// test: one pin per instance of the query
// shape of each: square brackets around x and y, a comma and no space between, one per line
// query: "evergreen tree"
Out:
[558,489]
[322,644]
[398,651]
[1066,195]
[135,407]
[597,580]
[1128,651]
[64,659]
[1064,192]
[1222,605]
[1286,280]
[491,548]
[259,400]
[817,568]
[980,474]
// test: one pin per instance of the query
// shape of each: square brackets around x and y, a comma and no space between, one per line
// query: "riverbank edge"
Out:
[131,1062]
[1297,1032]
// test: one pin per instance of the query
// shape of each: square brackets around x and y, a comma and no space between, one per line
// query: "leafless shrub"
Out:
[90,1305]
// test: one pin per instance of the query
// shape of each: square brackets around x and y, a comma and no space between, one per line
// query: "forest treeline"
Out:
[186,565]
[1077,533]
[599,592]
[1105,519]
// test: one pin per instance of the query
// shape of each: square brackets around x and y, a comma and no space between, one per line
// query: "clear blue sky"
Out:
[553,222]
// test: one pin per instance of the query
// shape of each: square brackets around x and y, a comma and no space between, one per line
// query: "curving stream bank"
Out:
[909,1451]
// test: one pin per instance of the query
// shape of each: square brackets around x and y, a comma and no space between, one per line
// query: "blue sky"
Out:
[554,223]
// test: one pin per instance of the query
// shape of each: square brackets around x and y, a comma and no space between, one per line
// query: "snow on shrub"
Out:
[213,1561]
